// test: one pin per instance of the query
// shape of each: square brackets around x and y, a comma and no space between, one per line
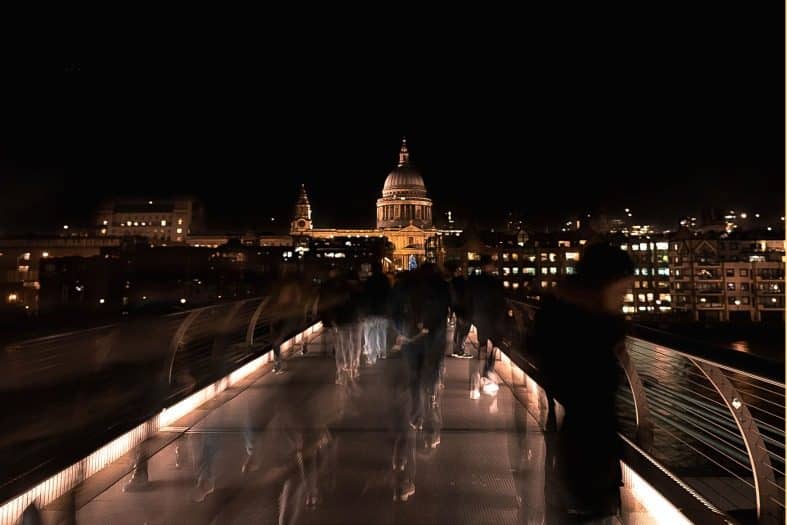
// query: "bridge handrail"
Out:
[746,439]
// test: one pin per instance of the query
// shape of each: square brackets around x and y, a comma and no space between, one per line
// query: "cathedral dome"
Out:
[404,180]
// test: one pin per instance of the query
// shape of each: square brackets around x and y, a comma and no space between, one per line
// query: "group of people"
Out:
[575,342]
[420,317]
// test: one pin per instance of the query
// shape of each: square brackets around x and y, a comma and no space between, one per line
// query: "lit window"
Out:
[572,256]
[641,297]
[645,271]
[103,231]
[505,256]
[506,284]
[514,256]
[136,223]
[665,297]
[629,310]
[570,270]
[650,297]
[554,283]
[529,270]
[506,270]
[143,223]
[163,223]
[662,246]
[179,230]
[12,298]
[643,246]
[624,247]
[629,298]
[553,270]
[636,271]
[26,256]
[544,284]
[515,286]
[180,222]
[635,247]
[105,223]
[45,254]
[552,257]
[544,270]
[515,270]
[564,244]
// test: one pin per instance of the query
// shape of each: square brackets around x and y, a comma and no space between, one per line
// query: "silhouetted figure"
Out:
[487,307]
[376,302]
[419,311]
[287,314]
[576,338]
[459,309]
[328,298]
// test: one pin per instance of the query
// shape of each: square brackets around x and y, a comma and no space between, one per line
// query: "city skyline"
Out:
[665,126]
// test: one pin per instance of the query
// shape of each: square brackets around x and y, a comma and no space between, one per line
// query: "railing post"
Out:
[253,321]
[764,481]
[641,409]
[175,342]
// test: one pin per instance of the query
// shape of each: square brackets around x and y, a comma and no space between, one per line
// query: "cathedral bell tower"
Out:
[302,220]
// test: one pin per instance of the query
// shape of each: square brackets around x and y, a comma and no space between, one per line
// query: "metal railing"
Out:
[715,422]
[91,384]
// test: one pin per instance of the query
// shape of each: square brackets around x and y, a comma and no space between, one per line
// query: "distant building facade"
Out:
[160,221]
[404,216]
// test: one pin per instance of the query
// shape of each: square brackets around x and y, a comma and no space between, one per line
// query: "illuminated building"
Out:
[23,259]
[159,221]
[404,216]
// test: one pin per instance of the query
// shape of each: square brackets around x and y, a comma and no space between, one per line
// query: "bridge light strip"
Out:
[59,484]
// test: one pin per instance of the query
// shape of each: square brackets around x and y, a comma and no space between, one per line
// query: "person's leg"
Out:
[476,365]
[339,354]
[461,329]
[491,358]
[368,339]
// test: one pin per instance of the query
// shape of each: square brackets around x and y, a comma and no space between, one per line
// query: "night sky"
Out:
[662,112]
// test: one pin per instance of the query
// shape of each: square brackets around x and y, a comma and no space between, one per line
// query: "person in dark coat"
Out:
[376,302]
[487,307]
[459,309]
[577,336]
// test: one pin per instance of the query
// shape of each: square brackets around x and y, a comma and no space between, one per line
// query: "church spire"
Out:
[404,155]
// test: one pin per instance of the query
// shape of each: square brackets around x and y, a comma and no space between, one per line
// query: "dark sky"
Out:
[664,112]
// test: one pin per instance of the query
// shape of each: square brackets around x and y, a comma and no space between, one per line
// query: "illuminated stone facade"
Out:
[404,215]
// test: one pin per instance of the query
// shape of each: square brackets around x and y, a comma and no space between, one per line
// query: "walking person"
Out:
[577,337]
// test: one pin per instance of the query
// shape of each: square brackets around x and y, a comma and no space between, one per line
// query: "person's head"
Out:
[376,267]
[608,271]
[451,267]
[486,263]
